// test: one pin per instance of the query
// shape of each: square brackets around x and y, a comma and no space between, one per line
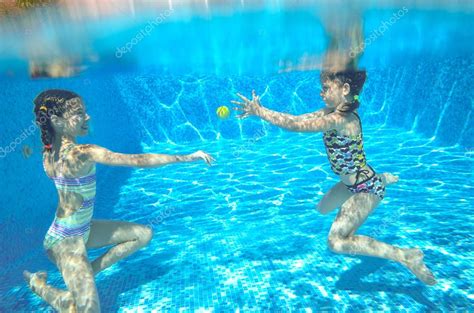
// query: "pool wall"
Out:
[431,98]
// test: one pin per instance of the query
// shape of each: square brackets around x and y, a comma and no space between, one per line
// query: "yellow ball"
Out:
[223,112]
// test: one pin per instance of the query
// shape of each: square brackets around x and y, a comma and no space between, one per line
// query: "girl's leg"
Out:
[333,199]
[70,256]
[339,193]
[125,237]
[341,239]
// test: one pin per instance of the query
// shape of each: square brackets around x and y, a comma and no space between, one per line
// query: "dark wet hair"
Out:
[354,78]
[48,103]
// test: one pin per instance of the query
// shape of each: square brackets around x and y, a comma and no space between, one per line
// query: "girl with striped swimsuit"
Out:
[62,117]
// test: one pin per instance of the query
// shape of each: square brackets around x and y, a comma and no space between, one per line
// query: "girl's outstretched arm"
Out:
[281,115]
[307,116]
[98,154]
[313,122]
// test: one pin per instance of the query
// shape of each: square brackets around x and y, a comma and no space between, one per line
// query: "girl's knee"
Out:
[336,243]
[333,243]
[145,235]
[343,245]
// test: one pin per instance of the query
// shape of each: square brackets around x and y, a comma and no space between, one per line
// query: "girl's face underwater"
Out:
[334,93]
[75,119]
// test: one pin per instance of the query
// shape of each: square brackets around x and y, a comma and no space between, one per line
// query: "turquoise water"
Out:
[244,234]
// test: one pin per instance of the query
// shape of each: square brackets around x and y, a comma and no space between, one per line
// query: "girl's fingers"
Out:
[208,158]
[239,109]
[237,102]
[243,98]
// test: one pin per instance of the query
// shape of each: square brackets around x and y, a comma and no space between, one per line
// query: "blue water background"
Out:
[244,233]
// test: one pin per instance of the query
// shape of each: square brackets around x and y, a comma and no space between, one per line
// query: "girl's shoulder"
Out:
[69,162]
[349,124]
[76,160]
[76,152]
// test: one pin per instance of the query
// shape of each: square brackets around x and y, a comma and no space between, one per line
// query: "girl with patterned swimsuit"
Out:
[62,117]
[360,190]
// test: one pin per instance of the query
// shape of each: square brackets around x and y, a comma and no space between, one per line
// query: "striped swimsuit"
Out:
[78,223]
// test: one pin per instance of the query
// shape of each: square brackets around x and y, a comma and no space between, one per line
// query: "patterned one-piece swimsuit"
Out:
[346,156]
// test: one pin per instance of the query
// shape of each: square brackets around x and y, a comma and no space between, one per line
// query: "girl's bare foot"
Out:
[414,262]
[388,178]
[37,281]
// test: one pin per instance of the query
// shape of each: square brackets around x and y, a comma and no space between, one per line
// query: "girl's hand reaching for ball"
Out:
[248,107]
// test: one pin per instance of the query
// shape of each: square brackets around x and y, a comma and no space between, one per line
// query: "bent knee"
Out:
[336,243]
[145,235]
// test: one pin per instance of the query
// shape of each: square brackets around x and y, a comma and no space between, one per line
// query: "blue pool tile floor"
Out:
[244,235]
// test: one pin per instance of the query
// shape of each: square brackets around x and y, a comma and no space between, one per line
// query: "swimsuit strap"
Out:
[61,158]
[365,173]
[360,123]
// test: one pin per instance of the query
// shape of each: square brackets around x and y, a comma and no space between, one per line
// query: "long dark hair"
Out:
[354,78]
[48,103]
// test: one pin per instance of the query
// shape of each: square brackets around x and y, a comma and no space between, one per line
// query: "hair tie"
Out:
[48,146]
[43,107]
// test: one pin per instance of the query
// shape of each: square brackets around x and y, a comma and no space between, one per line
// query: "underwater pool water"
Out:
[244,235]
